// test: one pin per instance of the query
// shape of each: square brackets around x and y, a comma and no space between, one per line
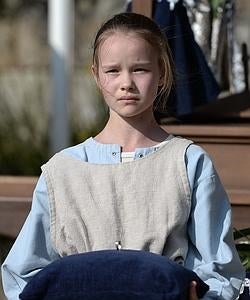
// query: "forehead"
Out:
[119,44]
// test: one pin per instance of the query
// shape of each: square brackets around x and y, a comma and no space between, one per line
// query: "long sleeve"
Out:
[212,254]
[32,249]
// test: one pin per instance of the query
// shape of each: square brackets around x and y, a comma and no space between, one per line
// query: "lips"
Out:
[128,98]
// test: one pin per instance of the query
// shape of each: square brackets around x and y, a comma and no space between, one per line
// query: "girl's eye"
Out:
[140,70]
[112,71]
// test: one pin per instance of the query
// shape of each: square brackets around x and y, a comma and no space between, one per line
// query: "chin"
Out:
[133,114]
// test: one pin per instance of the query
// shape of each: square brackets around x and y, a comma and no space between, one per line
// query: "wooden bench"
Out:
[15,202]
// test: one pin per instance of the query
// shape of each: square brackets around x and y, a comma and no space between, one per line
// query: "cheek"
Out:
[106,86]
[104,82]
[150,83]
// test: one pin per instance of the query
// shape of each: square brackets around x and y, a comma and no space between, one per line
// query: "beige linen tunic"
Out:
[145,203]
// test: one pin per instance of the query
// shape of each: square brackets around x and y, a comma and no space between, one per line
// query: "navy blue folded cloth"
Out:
[111,275]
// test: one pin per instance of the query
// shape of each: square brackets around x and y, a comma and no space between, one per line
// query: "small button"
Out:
[141,155]
[114,153]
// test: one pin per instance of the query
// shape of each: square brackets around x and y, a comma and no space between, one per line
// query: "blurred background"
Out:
[25,81]
[25,77]
[26,90]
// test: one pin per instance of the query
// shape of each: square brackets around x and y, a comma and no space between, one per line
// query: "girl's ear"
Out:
[95,74]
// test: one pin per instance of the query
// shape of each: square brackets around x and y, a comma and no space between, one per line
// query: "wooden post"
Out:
[143,7]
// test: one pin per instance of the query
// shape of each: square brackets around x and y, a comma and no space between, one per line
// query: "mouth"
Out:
[129,98]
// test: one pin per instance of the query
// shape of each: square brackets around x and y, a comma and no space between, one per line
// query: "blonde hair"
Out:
[147,29]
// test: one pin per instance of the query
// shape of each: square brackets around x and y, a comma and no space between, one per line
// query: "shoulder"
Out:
[59,160]
[193,153]
[197,156]
[199,164]
[79,151]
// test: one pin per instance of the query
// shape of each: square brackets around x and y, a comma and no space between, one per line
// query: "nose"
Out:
[127,82]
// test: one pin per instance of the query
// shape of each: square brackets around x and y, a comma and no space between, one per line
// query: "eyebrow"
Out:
[109,66]
[135,64]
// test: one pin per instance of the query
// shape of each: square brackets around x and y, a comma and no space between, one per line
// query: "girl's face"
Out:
[128,74]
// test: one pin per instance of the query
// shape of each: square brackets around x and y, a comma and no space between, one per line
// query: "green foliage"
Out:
[20,158]
[19,155]
[242,239]
[216,3]
[23,123]
[216,7]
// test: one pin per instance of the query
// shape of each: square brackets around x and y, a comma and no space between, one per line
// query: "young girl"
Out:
[133,185]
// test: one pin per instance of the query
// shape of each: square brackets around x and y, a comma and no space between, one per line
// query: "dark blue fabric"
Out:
[195,84]
[111,275]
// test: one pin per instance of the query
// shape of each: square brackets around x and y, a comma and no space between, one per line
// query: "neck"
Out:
[131,133]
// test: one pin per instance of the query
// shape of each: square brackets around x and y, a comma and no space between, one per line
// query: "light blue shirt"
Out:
[212,254]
